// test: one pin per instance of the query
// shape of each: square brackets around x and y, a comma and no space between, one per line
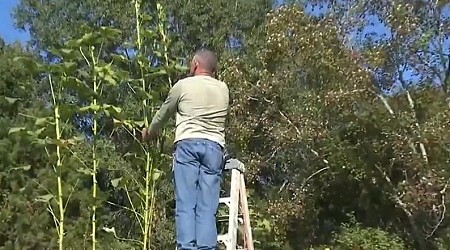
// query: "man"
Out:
[201,106]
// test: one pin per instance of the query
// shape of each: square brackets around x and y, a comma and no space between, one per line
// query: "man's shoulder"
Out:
[194,79]
[182,81]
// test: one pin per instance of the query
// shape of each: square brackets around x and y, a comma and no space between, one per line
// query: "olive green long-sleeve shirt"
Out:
[201,106]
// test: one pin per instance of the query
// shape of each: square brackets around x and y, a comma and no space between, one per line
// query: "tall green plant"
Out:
[151,159]
[148,161]
[51,128]
[80,76]
[151,45]
[103,76]
[58,166]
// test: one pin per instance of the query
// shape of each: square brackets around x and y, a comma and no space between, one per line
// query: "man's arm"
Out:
[167,109]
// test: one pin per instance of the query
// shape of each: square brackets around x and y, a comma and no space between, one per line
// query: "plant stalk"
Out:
[94,155]
[59,169]
[148,163]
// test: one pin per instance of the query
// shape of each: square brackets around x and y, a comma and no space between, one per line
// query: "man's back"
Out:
[202,109]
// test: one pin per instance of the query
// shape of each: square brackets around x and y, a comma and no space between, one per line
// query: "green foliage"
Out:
[354,236]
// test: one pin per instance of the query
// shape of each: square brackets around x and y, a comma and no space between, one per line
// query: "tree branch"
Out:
[444,210]
[413,111]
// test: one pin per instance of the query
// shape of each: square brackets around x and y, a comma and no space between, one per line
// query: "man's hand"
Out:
[148,134]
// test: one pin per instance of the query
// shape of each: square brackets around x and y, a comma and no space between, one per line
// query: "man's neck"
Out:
[203,73]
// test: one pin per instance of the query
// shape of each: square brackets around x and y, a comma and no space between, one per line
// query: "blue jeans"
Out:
[197,171]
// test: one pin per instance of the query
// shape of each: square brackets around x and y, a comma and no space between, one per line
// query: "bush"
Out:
[354,236]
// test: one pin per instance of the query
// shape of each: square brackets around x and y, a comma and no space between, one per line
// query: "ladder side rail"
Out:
[233,209]
[248,237]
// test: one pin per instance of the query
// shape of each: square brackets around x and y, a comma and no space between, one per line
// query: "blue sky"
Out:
[7,30]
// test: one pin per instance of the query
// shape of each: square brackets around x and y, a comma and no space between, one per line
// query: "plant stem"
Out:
[94,156]
[148,168]
[148,165]
[165,39]
[59,168]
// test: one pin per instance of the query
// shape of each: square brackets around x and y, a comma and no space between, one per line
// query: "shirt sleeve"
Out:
[167,109]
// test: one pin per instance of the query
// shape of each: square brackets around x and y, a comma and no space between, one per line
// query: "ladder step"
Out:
[225,200]
[234,164]
[225,218]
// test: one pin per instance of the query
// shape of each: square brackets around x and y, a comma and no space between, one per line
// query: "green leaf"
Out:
[157,53]
[116,109]
[36,132]
[107,73]
[25,167]
[109,32]
[143,60]
[108,109]
[110,80]
[110,231]
[66,67]
[45,198]
[120,58]
[86,40]
[71,141]
[115,182]
[41,141]
[85,171]
[158,72]
[139,123]
[266,224]
[67,110]
[117,121]
[146,17]
[149,34]
[63,142]
[43,121]
[90,107]
[129,154]
[11,100]
[80,86]
[15,130]
[181,68]
[78,138]
[156,174]
[64,53]
[30,64]
[142,94]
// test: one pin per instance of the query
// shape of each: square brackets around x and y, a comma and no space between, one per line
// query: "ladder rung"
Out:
[222,238]
[225,219]
[225,200]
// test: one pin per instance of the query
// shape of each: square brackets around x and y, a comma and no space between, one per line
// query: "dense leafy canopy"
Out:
[340,110]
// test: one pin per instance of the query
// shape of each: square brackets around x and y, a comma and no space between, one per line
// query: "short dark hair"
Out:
[207,59]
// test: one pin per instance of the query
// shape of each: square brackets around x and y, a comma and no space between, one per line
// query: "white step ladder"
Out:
[235,202]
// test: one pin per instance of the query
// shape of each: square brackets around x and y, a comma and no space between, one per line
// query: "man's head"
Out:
[204,62]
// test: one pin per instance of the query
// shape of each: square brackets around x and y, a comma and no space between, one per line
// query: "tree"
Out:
[313,124]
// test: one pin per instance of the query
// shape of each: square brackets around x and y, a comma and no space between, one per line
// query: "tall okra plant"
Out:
[77,81]
[102,77]
[50,134]
[153,67]
[160,78]
[148,160]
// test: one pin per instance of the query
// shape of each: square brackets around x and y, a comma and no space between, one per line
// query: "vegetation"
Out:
[340,110]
